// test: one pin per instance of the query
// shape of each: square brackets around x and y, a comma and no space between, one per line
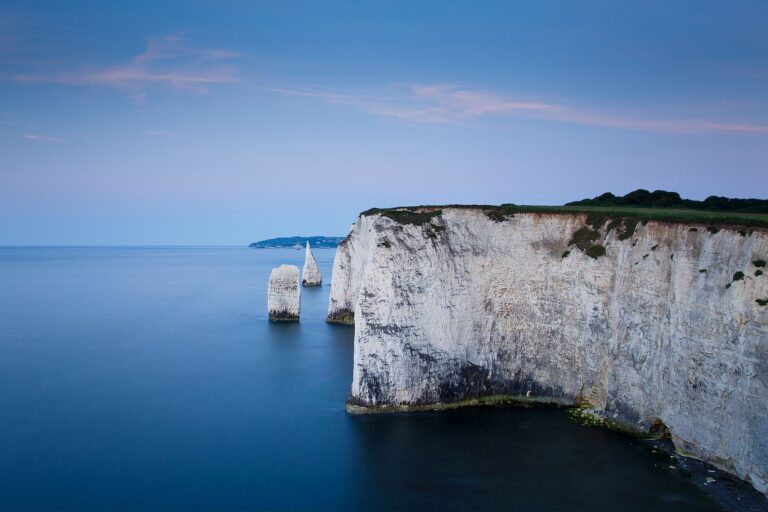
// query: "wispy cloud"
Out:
[42,138]
[167,61]
[173,62]
[451,104]
[159,133]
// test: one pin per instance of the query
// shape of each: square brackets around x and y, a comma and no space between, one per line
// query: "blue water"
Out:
[150,378]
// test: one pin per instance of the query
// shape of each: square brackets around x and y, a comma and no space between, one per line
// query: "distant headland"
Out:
[319,242]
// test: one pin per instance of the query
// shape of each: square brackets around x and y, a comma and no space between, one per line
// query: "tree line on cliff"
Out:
[665,199]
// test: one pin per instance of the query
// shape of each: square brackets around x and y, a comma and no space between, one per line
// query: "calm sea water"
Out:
[150,378]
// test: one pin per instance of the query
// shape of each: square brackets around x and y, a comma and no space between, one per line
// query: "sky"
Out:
[221,123]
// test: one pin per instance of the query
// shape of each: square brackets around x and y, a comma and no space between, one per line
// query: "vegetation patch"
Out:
[622,213]
[590,418]
[595,251]
[476,401]
[762,302]
[432,230]
[758,272]
[584,237]
[666,199]
[499,214]
[655,247]
[738,276]
[415,216]
[597,219]
[714,220]
[759,263]
[586,417]
[566,253]
[624,226]
[702,270]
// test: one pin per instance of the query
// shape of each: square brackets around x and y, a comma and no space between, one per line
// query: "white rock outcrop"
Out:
[653,332]
[310,275]
[284,294]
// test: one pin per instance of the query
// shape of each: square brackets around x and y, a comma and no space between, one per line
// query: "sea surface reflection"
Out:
[150,378]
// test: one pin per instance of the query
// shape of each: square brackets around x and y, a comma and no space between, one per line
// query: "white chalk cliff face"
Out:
[310,275]
[284,294]
[656,330]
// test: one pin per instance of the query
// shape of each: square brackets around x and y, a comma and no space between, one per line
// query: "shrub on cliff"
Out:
[583,238]
[595,251]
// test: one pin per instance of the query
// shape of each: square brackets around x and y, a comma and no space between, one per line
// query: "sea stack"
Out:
[311,275]
[284,294]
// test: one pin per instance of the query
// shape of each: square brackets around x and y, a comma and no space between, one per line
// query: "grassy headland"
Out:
[641,205]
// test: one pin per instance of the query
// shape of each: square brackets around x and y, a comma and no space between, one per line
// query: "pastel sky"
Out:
[203,122]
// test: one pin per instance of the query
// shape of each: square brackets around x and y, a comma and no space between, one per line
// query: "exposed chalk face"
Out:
[284,294]
[656,329]
[348,265]
[310,275]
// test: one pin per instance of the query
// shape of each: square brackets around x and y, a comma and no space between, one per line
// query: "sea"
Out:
[149,378]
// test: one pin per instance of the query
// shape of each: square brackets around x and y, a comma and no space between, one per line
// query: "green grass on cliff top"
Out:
[679,215]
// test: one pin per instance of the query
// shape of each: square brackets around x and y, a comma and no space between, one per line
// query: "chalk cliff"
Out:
[310,275]
[284,294]
[646,325]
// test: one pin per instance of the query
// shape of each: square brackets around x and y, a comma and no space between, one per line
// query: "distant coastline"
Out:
[320,242]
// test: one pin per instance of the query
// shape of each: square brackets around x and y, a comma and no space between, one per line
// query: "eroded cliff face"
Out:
[473,304]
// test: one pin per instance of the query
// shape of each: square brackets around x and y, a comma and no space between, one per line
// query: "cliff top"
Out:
[660,206]
[716,219]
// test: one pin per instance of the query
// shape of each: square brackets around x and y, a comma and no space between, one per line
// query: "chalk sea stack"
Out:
[284,294]
[645,325]
[310,276]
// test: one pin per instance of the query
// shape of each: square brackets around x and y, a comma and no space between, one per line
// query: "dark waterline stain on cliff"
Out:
[150,379]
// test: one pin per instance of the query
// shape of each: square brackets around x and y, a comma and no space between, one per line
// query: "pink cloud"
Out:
[450,104]
[467,104]
[329,96]
[44,138]
[568,115]
[171,62]
[167,61]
